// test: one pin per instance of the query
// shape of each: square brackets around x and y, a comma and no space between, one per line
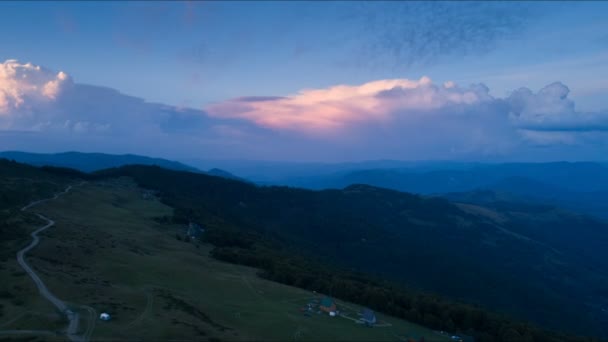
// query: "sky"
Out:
[307,81]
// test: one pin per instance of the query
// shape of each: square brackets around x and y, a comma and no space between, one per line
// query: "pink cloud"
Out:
[318,111]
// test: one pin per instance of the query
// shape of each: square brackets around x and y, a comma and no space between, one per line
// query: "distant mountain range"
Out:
[581,187]
[282,172]
[90,162]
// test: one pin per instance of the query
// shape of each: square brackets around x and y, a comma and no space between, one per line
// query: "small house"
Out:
[104,316]
[368,317]
[327,305]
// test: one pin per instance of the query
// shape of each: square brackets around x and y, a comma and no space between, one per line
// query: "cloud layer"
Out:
[401,100]
[46,110]
[334,108]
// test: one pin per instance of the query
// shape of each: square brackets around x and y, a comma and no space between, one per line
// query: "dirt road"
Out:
[73,317]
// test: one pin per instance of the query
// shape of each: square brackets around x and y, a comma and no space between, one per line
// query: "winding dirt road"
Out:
[73,317]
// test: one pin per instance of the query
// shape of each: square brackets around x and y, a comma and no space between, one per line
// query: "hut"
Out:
[327,305]
[368,317]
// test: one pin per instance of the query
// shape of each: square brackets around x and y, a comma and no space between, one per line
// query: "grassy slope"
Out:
[106,251]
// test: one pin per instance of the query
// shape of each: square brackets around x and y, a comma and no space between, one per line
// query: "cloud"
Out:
[420,118]
[338,107]
[335,108]
[44,110]
[40,108]
[551,110]
[23,85]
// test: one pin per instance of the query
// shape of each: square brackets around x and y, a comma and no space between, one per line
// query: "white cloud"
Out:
[550,109]
[33,98]
[28,85]
[42,108]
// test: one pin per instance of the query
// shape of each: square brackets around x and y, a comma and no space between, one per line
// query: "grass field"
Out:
[107,254]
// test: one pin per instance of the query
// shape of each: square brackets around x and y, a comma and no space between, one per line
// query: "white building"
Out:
[104,316]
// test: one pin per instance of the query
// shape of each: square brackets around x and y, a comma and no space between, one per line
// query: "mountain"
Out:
[282,172]
[533,262]
[581,187]
[88,162]
[580,177]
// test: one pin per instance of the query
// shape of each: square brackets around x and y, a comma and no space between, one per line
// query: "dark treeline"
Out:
[426,309]
[19,185]
[244,235]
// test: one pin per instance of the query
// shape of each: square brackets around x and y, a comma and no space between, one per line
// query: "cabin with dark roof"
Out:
[368,317]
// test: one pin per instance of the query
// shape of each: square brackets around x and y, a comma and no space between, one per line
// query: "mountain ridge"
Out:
[95,161]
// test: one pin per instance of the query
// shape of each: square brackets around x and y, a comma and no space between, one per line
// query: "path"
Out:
[73,317]
[149,303]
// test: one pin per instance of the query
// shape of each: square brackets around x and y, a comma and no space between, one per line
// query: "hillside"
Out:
[509,260]
[111,252]
[120,250]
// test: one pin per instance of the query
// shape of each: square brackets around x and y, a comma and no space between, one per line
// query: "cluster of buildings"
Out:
[328,305]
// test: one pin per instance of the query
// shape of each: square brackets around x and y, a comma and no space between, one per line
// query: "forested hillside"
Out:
[421,244]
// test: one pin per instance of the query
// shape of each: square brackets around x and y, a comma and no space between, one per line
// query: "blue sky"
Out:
[201,54]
